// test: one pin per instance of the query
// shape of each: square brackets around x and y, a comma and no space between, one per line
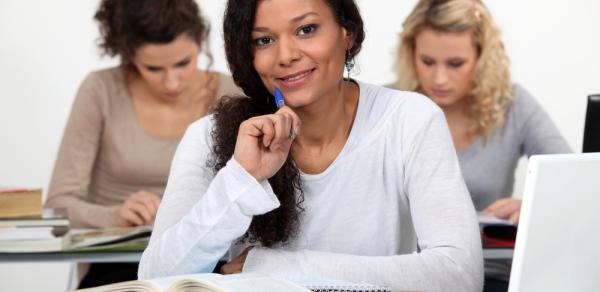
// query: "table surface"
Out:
[74,257]
[129,257]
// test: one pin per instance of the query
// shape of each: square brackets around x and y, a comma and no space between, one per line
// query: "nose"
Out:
[171,81]
[440,76]
[289,52]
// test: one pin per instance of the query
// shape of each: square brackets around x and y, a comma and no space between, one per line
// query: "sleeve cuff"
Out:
[257,197]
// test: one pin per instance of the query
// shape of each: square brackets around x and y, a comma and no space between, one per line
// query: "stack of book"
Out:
[26,228]
[39,240]
[19,202]
[30,233]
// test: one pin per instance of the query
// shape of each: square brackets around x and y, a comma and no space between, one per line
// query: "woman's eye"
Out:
[456,65]
[182,64]
[305,30]
[263,41]
[427,63]
[152,69]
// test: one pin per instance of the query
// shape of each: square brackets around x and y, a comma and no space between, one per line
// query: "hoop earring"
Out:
[349,63]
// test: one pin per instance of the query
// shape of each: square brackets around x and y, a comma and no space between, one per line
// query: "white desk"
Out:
[73,257]
[131,257]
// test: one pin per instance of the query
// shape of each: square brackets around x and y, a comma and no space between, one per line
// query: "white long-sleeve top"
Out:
[392,209]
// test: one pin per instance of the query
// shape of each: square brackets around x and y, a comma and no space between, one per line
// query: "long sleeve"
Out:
[76,157]
[538,132]
[450,256]
[201,214]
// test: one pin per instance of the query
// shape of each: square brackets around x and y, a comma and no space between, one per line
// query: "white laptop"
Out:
[558,241]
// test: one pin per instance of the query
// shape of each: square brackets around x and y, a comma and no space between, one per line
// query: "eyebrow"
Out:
[294,20]
[183,60]
[453,59]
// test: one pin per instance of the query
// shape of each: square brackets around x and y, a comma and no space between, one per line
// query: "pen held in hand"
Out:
[279,101]
[279,98]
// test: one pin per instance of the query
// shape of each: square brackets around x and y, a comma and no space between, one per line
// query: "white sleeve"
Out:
[450,257]
[201,214]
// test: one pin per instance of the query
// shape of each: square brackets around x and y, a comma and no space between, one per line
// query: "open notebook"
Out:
[232,283]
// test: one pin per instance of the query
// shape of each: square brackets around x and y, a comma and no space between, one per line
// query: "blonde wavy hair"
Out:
[492,91]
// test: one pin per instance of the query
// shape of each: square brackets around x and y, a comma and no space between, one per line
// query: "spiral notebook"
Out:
[326,285]
[348,288]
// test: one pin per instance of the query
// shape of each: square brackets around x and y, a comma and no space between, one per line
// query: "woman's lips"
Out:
[296,79]
[173,93]
[441,92]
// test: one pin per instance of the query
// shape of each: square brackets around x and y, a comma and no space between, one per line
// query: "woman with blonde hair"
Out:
[452,52]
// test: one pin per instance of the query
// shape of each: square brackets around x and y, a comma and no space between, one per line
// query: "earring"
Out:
[349,63]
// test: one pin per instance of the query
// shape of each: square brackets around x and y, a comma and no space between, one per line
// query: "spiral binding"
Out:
[351,288]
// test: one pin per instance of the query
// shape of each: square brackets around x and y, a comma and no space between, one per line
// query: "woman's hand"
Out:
[236,265]
[139,209]
[507,208]
[263,142]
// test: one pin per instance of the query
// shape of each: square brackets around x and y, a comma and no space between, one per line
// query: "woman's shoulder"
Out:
[113,76]
[201,128]
[523,105]
[198,134]
[398,103]
[98,89]
[386,112]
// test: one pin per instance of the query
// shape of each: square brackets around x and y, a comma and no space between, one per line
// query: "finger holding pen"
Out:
[286,122]
[264,142]
[294,119]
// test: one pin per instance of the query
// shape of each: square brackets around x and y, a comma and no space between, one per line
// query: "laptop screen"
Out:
[591,134]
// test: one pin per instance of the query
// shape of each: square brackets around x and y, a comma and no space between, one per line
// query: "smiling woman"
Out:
[126,122]
[368,189]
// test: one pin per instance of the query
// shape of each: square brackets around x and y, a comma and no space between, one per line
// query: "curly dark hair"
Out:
[279,225]
[126,25]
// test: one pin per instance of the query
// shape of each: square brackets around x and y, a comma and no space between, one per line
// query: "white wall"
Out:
[47,47]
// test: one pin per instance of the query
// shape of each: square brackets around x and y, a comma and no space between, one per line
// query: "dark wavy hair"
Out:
[279,225]
[126,25]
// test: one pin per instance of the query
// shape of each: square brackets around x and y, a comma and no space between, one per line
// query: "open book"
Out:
[204,282]
[247,282]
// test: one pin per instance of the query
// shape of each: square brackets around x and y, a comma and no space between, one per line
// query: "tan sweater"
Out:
[105,155]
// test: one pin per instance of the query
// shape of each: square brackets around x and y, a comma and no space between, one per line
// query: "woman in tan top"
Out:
[126,122]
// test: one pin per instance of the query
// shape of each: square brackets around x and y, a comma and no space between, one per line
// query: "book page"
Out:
[258,283]
[93,237]
[229,283]
[179,282]
[133,286]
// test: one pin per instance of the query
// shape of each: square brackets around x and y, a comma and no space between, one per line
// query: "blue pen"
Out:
[279,98]
[280,103]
